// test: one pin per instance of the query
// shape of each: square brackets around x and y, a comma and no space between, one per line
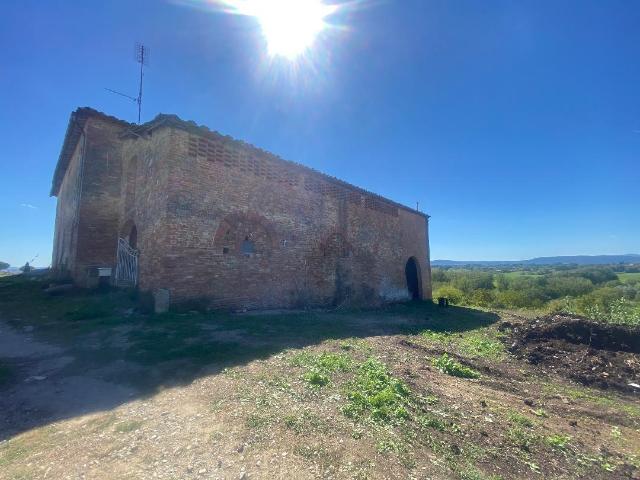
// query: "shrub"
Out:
[483,298]
[558,286]
[454,295]
[468,281]
[598,274]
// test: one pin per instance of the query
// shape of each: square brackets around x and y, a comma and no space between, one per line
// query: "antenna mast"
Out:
[142,54]
[142,57]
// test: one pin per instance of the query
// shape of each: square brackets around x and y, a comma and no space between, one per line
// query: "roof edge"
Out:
[79,117]
[75,127]
[174,121]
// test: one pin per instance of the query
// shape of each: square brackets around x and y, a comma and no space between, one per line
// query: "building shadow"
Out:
[87,352]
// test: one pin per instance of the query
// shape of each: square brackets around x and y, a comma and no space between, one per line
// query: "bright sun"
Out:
[289,26]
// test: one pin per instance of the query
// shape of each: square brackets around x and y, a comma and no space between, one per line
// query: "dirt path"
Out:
[40,391]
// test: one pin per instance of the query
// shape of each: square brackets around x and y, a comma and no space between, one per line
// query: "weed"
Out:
[520,419]
[431,421]
[316,378]
[608,467]
[448,365]
[375,393]
[616,433]
[388,445]
[326,361]
[320,366]
[473,473]
[521,438]
[540,412]
[558,441]
[534,467]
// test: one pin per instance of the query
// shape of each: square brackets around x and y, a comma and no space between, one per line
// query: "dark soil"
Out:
[594,354]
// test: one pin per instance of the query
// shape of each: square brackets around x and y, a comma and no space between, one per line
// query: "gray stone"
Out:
[162,300]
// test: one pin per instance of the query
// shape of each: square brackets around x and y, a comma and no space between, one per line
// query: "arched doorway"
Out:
[133,237]
[412,272]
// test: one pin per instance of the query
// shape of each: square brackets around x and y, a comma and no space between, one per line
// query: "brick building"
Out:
[172,206]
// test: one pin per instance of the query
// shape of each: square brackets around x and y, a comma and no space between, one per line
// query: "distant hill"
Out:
[566,260]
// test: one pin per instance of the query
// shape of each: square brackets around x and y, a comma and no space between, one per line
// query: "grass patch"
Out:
[481,342]
[321,366]
[593,396]
[306,422]
[326,361]
[377,395]
[448,365]
[473,473]
[128,426]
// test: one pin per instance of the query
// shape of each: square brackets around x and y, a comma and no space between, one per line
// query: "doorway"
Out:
[412,272]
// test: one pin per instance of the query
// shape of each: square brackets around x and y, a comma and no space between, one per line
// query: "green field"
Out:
[629,277]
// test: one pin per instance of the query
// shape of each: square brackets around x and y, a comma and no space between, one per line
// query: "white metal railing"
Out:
[127,265]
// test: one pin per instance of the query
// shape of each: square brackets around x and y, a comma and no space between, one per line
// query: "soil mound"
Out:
[594,354]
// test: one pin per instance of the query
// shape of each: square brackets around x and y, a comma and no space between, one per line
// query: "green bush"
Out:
[482,298]
[454,295]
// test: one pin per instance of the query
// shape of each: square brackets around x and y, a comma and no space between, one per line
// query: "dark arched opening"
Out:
[133,237]
[412,272]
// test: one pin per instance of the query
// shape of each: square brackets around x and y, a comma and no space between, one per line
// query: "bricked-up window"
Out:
[248,247]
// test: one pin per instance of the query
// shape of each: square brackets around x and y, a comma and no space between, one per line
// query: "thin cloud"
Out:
[28,205]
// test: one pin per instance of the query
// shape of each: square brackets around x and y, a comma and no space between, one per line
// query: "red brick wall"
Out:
[147,161]
[89,202]
[225,221]
[67,210]
[313,241]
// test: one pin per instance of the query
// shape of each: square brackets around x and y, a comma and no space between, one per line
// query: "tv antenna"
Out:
[142,57]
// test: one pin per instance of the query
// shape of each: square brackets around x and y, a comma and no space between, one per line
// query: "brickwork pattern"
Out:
[220,219]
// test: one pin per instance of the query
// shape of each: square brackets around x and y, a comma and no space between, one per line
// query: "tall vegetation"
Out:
[605,293]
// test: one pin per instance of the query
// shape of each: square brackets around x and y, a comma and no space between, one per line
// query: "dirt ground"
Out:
[603,356]
[90,387]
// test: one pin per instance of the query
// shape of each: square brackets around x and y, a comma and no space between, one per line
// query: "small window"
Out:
[225,250]
[248,247]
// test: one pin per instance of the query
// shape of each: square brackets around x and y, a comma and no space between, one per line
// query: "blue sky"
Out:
[515,124]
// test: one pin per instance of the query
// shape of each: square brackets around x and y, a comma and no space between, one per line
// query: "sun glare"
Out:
[290,27]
